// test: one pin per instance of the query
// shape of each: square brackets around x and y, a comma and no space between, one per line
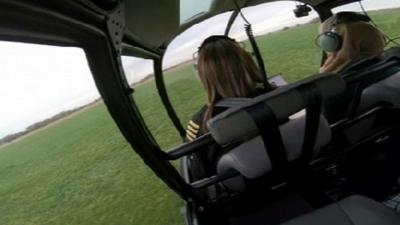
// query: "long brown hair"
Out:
[226,70]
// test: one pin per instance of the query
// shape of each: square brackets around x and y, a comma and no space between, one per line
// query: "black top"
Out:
[195,127]
[202,163]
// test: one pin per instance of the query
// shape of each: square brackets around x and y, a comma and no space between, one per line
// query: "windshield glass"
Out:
[286,42]
[61,152]
[35,87]
[191,8]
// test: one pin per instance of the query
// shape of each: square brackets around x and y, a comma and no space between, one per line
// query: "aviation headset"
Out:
[331,41]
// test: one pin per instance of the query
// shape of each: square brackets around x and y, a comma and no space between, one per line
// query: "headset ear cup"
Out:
[329,41]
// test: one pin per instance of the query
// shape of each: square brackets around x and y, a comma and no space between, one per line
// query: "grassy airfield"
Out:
[81,171]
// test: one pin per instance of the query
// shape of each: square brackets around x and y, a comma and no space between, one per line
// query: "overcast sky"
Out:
[37,82]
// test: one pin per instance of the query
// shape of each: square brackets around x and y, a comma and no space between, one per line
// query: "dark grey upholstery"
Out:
[250,158]
[355,210]
[235,124]
[385,91]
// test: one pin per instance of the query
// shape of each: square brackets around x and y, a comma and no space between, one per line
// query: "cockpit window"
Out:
[61,152]
[192,8]
[285,41]
[137,70]
[369,5]
[140,76]
[35,87]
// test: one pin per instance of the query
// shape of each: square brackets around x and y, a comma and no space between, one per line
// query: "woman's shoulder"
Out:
[199,115]
[194,127]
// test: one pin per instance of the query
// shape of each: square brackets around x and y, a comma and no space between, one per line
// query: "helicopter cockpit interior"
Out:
[321,148]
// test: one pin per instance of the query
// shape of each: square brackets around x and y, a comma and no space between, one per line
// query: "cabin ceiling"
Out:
[154,23]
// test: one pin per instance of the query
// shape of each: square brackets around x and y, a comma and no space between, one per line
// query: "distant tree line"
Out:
[43,123]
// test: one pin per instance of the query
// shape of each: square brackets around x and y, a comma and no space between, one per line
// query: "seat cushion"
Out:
[385,91]
[355,210]
[251,159]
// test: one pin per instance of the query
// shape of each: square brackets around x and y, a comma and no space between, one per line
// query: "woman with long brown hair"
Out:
[225,70]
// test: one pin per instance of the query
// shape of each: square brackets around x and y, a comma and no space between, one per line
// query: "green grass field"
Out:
[81,171]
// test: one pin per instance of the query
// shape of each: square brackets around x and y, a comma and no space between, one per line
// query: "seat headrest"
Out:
[235,124]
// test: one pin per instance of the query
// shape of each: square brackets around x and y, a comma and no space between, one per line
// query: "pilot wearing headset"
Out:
[347,37]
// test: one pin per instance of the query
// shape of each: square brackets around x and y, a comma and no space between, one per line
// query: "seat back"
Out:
[368,86]
[294,131]
[386,91]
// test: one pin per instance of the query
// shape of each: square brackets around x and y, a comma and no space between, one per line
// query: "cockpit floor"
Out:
[275,213]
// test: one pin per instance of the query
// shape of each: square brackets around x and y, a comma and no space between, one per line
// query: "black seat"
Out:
[354,210]
[370,83]
[272,130]
[385,92]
